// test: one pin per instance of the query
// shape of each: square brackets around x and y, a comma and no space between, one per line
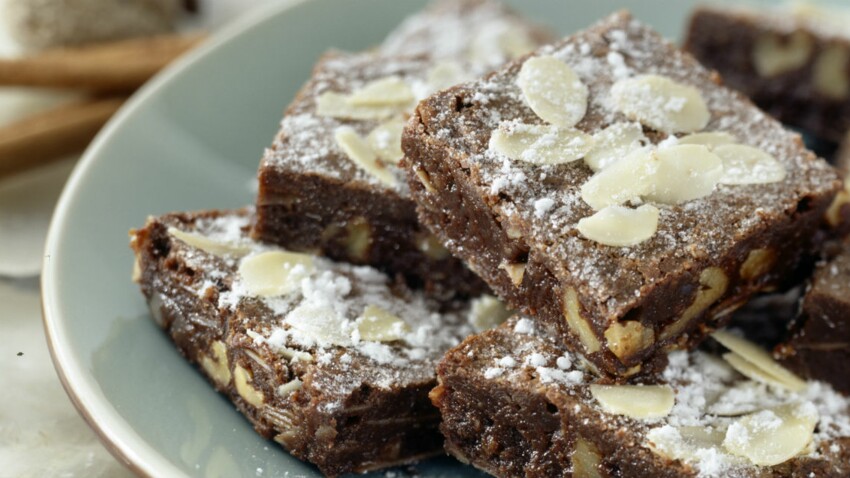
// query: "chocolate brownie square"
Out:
[791,60]
[609,186]
[819,347]
[330,182]
[333,361]
[516,402]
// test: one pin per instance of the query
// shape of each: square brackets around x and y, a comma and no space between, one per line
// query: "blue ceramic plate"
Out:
[191,139]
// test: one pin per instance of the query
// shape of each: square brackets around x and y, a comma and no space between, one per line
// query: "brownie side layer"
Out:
[726,41]
[819,347]
[524,424]
[452,176]
[348,222]
[374,427]
[313,198]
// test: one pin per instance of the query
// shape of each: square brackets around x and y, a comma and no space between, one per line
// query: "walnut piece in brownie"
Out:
[791,60]
[819,347]
[331,183]
[332,361]
[699,199]
[515,402]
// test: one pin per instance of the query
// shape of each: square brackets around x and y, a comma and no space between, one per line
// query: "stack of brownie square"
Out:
[607,187]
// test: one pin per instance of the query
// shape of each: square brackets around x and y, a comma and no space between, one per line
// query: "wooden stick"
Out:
[113,67]
[53,134]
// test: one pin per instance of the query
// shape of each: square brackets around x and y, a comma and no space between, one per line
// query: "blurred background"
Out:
[65,67]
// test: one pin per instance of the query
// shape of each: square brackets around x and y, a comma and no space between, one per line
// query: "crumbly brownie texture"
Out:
[792,60]
[483,33]
[334,363]
[820,345]
[312,197]
[516,403]
[314,193]
[516,223]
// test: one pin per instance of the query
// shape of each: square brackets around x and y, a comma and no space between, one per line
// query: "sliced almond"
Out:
[690,443]
[661,103]
[379,325]
[242,379]
[635,401]
[613,144]
[217,366]
[486,312]
[744,164]
[361,154]
[624,181]
[321,324]
[771,437]
[571,309]
[385,140]
[553,91]
[540,144]
[710,139]
[289,387]
[683,173]
[336,105]
[274,273]
[751,371]
[702,437]
[204,243]
[388,91]
[759,358]
[619,226]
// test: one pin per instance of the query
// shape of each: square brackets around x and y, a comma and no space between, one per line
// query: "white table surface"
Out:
[41,434]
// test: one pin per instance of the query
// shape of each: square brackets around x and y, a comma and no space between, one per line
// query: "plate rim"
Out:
[113,431]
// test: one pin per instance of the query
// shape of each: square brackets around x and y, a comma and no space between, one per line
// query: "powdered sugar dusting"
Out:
[611,281]
[436,38]
[482,32]
[710,398]
[829,21]
[318,321]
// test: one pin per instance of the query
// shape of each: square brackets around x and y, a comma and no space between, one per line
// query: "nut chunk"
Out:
[332,361]
[631,220]
[543,415]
